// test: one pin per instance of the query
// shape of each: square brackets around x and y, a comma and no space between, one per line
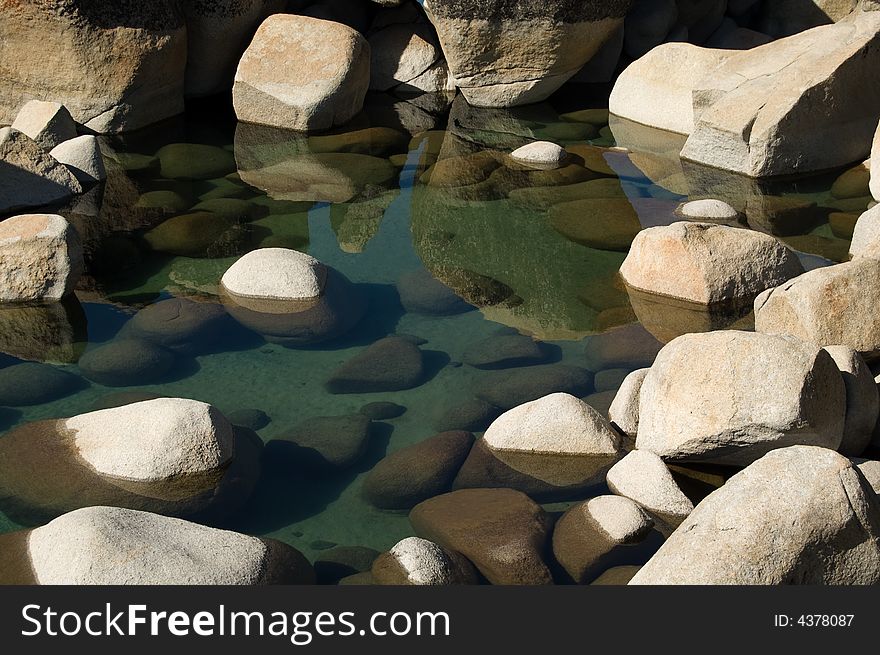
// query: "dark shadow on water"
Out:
[287,494]
[9,417]
[433,361]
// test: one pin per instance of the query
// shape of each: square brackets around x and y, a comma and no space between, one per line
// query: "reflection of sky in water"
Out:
[485,232]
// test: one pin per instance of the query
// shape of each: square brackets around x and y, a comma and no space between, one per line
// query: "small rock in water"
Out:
[708,210]
[49,124]
[188,235]
[334,564]
[83,157]
[41,258]
[421,293]
[322,544]
[630,346]
[415,473]
[540,154]
[126,362]
[610,379]
[390,364]
[617,576]
[253,419]
[31,383]
[510,388]
[178,324]
[382,411]
[473,415]
[643,477]
[504,351]
[415,561]
[853,183]
[591,530]
[194,161]
[501,531]
[115,546]
[321,443]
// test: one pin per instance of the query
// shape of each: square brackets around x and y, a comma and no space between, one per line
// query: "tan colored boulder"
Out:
[503,54]
[419,562]
[115,66]
[827,306]
[29,177]
[799,515]
[866,234]
[47,123]
[401,53]
[707,263]
[671,71]
[302,73]
[797,105]
[862,400]
[624,410]
[41,258]
[729,397]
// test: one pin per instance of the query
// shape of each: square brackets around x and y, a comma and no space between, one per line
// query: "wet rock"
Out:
[786,134]
[49,124]
[168,201]
[502,532]
[504,351]
[382,411]
[853,183]
[734,535]
[415,561]
[540,154]
[415,473]
[178,324]
[53,333]
[630,346]
[541,48]
[617,576]
[707,264]
[210,69]
[188,235]
[126,362]
[322,443]
[34,384]
[115,67]
[234,210]
[610,379]
[326,85]
[670,71]
[82,155]
[390,364]
[729,397]
[511,388]
[642,477]
[589,532]
[194,161]
[624,410]
[334,564]
[473,415]
[601,223]
[557,439]
[253,419]
[862,400]
[826,307]
[421,293]
[115,546]
[31,177]
[120,398]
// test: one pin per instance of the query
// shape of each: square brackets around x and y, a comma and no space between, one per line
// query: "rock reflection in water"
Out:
[55,333]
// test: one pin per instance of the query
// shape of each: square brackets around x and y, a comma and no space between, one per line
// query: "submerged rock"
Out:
[334,564]
[502,532]
[194,161]
[421,293]
[776,523]
[630,346]
[474,415]
[52,333]
[390,364]
[707,264]
[415,561]
[505,351]
[729,397]
[302,73]
[181,325]
[827,306]
[116,66]
[126,362]
[322,443]
[34,384]
[415,473]
[41,258]
[515,53]
[382,411]
[115,546]
[511,388]
[188,235]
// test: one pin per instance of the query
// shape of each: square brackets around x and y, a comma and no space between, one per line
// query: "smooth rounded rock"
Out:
[181,325]
[540,154]
[390,364]
[422,293]
[47,123]
[82,155]
[322,443]
[707,210]
[34,384]
[276,274]
[415,561]
[126,362]
[624,410]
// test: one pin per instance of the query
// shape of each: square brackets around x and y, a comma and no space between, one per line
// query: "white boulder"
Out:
[540,154]
[417,561]
[82,155]
[276,274]
[642,477]
[49,124]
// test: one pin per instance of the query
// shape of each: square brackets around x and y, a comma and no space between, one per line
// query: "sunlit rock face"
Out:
[504,53]
[116,65]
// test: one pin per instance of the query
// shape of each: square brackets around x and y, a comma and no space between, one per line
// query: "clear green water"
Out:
[487,230]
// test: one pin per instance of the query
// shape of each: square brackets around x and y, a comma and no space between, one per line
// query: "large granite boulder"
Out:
[504,53]
[729,397]
[115,546]
[302,73]
[116,66]
[799,515]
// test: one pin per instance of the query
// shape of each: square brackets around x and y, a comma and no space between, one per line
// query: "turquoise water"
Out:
[371,202]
